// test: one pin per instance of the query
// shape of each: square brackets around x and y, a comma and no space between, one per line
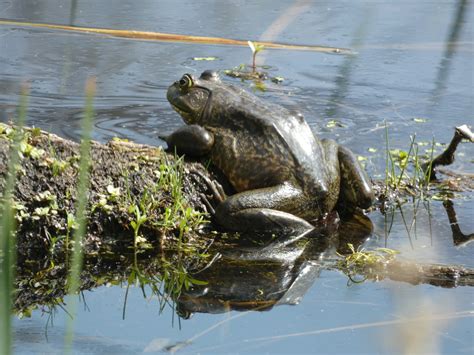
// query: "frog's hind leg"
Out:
[356,187]
[263,210]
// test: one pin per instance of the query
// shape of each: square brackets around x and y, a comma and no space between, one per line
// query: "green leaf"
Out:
[252,46]
[260,85]
[131,277]
[35,132]
[41,211]
[255,47]
[114,191]
[197,282]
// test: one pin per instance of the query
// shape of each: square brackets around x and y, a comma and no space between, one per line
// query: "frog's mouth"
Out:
[191,117]
[191,103]
[187,116]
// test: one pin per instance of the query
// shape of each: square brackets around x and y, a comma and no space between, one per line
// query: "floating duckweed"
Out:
[260,86]
[334,123]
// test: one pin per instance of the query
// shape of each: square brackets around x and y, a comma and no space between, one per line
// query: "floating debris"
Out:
[208,59]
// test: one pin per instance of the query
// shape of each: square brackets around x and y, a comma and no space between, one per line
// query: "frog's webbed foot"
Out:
[215,188]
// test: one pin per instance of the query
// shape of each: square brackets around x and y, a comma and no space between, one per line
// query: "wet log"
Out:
[448,276]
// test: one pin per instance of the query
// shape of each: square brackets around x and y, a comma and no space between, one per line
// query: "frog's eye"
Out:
[210,75]
[186,82]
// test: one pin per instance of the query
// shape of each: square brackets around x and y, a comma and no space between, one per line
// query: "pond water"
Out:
[413,69]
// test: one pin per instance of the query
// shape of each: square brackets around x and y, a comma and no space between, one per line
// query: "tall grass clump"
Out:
[73,280]
[398,176]
[407,177]
[176,219]
[7,231]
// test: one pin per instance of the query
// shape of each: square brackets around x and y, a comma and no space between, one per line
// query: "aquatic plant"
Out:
[179,257]
[399,176]
[7,229]
[257,76]
[73,281]
[255,48]
[365,262]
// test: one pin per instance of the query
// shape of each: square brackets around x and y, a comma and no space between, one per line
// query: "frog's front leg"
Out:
[266,209]
[356,187]
[191,140]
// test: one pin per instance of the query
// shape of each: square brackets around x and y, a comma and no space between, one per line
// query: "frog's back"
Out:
[316,168]
[259,144]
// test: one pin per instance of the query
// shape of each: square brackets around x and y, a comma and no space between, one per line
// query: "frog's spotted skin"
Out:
[284,175]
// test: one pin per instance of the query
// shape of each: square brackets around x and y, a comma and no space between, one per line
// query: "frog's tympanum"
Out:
[284,176]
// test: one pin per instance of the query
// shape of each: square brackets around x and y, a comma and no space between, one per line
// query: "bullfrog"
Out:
[285,178]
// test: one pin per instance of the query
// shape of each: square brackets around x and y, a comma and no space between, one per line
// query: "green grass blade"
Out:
[388,161]
[404,166]
[7,229]
[73,282]
[430,166]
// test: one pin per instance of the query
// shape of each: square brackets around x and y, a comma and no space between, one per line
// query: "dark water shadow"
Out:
[459,238]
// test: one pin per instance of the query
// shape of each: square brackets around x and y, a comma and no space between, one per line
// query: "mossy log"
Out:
[126,179]
[128,183]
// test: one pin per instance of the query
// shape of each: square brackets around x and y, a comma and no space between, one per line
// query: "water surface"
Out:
[414,60]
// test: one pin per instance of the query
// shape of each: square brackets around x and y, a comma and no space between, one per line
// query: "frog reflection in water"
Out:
[284,176]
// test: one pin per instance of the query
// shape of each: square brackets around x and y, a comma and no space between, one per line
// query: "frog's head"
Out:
[191,96]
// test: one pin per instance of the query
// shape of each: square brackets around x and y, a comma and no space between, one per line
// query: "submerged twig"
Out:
[447,157]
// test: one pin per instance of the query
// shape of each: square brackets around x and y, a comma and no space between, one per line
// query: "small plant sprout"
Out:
[255,47]
[114,192]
